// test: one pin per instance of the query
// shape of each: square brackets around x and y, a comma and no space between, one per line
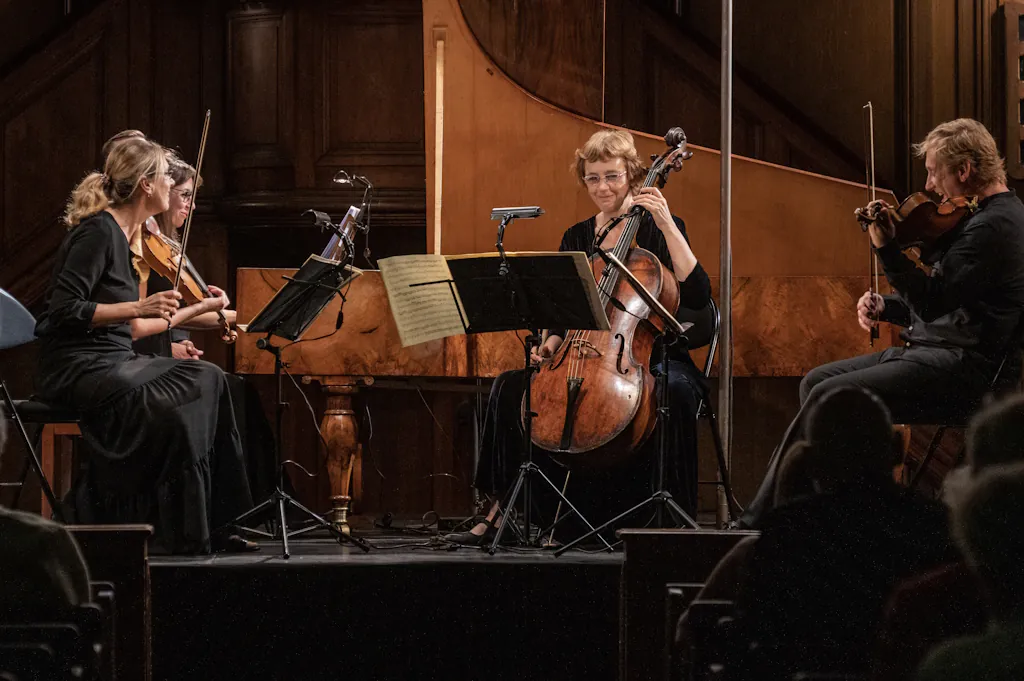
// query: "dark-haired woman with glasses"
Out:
[174,342]
[609,167]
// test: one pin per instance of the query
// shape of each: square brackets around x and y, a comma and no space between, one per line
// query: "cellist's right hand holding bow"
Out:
[869,310]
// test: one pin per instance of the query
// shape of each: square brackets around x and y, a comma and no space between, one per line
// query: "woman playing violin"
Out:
[609,167]
[173,342]
[161,432]
[960,320]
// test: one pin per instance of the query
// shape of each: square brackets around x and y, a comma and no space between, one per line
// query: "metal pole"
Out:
[725,258]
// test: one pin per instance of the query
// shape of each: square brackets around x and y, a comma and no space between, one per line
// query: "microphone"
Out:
[320,219]
[516,212]
[341,316]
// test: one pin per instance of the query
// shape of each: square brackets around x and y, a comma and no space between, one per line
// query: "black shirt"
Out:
[974,297]
[694,292]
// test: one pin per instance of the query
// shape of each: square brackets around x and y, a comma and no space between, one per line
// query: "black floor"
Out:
[406,610]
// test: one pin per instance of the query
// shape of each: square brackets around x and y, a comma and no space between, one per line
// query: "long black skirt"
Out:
[606,492]
[165,451]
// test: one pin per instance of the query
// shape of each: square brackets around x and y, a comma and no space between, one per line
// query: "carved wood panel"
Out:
[556,54]
[363,84]
[261,102]
[55,108]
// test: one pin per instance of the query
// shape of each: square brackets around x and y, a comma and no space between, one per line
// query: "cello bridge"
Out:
[582,345]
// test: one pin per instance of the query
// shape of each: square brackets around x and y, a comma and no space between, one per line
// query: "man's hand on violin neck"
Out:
[881,228]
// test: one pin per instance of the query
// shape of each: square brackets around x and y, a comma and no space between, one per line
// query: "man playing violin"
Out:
[959,320]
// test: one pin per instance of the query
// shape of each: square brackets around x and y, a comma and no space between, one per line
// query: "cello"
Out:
[595,400]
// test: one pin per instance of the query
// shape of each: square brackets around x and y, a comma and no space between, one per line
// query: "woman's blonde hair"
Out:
[127,164]
[965,140]
[606,145]
[180,172]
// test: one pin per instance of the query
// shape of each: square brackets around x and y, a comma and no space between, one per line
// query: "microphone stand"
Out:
[672,333]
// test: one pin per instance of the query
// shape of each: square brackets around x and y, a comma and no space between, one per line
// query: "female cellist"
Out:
[161,432]
[608,166]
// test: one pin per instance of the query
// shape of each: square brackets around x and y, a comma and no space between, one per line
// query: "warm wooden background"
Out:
[300,89]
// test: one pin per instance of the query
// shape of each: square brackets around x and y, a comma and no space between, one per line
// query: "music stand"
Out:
[541,290]
[672,332]
[289,314]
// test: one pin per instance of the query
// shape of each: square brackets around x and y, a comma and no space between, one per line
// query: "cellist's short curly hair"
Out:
[607,145]
[964,140]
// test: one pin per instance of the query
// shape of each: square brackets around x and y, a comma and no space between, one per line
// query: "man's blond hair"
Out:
[963,141]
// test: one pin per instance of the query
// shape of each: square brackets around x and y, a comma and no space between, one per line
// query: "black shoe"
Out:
[467,538]
[229,542]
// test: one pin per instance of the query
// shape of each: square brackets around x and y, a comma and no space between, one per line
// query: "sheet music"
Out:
[422,313]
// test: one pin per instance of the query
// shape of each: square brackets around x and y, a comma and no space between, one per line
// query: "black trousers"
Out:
[607,492]
[918,385]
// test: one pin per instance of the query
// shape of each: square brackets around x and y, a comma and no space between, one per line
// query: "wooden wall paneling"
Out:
[555,55]
[23,25]
[261,79]
[902,84]
[86,68]
[213,37]
[365,124]
[140,62]
[823,61]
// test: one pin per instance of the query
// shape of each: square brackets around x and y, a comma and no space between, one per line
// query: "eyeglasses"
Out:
[611,179]
[185,195]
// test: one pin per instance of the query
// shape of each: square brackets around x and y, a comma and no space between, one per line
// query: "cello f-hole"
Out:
[622,349]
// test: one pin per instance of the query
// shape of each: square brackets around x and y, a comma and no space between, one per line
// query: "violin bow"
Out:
[195,190]
[869,171]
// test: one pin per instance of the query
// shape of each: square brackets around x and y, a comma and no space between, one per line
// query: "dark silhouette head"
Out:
[850,434]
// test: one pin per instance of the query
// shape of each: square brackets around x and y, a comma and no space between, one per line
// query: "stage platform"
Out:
[406,610]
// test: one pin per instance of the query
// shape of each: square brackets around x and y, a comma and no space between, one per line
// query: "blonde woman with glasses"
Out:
[609,167]
[161,434]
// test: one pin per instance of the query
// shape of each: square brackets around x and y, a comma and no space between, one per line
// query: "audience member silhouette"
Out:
[946,602]
[987,523]
[42,572]
[818,575]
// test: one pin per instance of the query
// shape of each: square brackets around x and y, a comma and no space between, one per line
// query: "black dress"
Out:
[164,448]
[605,492]
[254,429]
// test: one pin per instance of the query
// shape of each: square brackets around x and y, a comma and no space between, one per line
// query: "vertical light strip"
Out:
[439,42]
[604,56]
[725,260]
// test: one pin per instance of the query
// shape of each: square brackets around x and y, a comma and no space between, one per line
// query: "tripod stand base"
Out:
[279,500]
[522,484]
[662,499]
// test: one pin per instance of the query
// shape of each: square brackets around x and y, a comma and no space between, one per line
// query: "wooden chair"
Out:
[925,466]
[53,423]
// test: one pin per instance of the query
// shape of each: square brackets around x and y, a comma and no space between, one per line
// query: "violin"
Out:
[163,256]
[922,218]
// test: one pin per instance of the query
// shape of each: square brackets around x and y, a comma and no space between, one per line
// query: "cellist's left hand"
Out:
[652,199]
